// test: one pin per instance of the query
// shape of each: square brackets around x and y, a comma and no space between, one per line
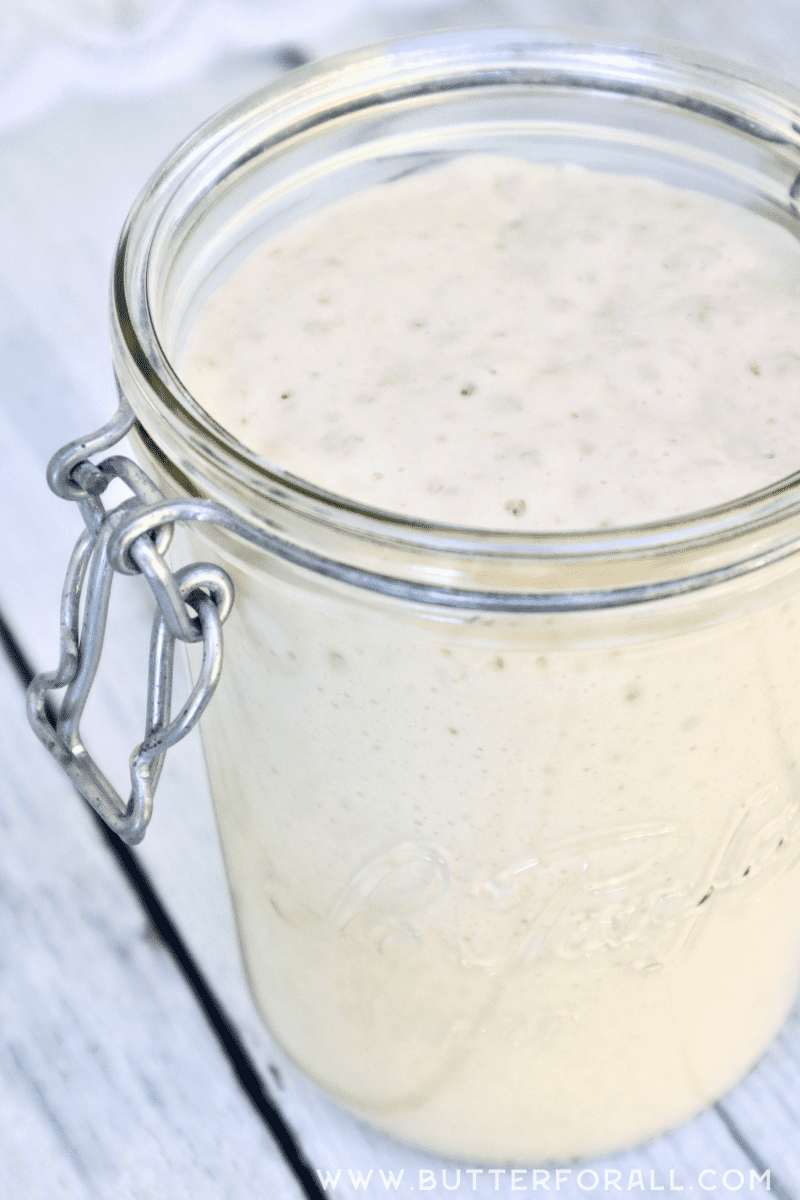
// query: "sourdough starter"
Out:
[515,887]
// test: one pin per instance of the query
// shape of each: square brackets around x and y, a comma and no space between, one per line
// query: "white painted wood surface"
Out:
[110,1083]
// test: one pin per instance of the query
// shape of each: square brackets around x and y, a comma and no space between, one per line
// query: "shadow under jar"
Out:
[510,819]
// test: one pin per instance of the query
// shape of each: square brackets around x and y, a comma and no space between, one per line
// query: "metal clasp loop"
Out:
[191,606]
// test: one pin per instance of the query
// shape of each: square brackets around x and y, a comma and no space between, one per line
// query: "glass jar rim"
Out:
[704,547]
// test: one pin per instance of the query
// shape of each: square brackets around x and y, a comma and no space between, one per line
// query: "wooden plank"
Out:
[111,1083]
[85,163]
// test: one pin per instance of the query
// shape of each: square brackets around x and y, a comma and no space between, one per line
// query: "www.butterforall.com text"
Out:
[519,1179]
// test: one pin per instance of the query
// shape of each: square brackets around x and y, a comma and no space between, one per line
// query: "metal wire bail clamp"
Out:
[191,606]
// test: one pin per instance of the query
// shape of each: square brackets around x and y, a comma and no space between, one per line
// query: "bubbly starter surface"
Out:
[519,887]
[506,345]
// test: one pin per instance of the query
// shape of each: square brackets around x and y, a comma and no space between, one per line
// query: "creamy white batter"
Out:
[515,346]
[519,888]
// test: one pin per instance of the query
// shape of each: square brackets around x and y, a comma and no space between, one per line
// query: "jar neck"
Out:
[287,149]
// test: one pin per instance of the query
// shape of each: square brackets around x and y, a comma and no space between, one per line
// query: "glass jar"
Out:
[510,820]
